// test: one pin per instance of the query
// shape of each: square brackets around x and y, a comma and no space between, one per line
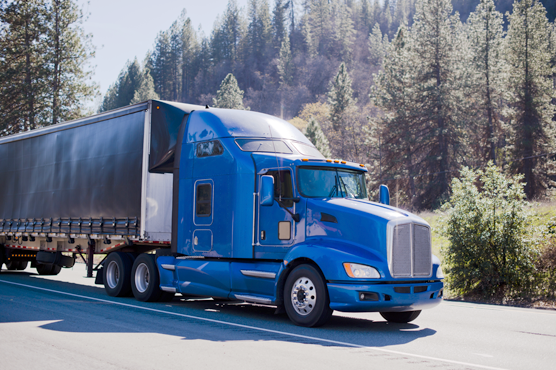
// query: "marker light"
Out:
[357,271]
[329,160]
[361,165]
[305,160]
[344,162]
[336,161]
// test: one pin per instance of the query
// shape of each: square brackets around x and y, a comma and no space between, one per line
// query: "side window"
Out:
[209,148]
[283,186]
[203,206]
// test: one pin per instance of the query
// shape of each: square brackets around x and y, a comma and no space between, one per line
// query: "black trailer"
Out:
[96,184]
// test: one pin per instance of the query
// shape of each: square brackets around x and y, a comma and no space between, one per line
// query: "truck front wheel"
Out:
[145,282]
[400,317]
[306,298]
[117,274]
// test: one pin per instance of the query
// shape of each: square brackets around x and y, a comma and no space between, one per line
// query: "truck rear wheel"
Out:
[400,317]
[145,282]
[117,274]
[47,269]
[12,265]
[306,297]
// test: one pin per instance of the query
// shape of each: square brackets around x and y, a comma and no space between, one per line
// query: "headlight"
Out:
[358,271]
[439,273]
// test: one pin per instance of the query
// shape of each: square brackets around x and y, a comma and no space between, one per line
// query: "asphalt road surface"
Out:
[66,322]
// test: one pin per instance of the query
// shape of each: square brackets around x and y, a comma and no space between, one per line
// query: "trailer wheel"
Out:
[306,297]
[1,256]
[12,265]
[22,265]
[400,317]
[117,274]
[47,269]
[145,282]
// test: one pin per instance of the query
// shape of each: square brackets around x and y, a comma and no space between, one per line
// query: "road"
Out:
[68,322]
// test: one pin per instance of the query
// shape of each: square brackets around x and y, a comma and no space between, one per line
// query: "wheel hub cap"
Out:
[303,296]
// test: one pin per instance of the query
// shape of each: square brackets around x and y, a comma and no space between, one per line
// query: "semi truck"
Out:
[200,201]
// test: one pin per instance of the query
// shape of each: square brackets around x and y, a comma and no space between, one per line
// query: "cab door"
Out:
[276,224]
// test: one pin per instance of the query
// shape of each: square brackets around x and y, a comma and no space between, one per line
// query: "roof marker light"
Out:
[305,160]
[344,162]
[336,161]
[329,160]
[361,165]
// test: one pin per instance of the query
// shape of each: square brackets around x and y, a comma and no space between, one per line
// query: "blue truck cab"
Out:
[259,215]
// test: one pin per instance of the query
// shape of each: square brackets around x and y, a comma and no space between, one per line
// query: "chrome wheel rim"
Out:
[142,278]
[303,296]
[112,274]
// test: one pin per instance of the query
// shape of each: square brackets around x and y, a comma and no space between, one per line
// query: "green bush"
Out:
[492,245]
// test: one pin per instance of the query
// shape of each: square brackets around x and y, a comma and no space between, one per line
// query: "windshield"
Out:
[319,182]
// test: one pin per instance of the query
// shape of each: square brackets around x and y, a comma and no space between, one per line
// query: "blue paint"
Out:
[235,245]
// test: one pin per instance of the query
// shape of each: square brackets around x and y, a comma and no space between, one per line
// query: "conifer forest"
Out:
[414,89]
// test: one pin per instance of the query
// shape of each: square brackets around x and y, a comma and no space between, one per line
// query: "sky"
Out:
[125,29]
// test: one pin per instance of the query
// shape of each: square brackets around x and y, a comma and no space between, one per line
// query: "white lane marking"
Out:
[345,344]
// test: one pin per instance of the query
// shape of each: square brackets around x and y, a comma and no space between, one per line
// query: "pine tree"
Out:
[486,35]
[23,72]
[145,91]
[532,129]
[279,23]
[315,134]
[285,63]
[340,96]
[439,90]
[342,114]
[259,32]
[344,34]
[190,63]
[229,95]
[68,52]
[399,127]
[377,48]
[122,92]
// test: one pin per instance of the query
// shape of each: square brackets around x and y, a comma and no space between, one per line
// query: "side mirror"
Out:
[267,191]
[384,195]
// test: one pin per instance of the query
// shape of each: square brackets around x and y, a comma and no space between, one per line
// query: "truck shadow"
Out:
[190,318]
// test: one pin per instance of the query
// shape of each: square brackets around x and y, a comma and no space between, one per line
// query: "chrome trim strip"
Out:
[259,274]
[168,289]
[168,267]
[249,298]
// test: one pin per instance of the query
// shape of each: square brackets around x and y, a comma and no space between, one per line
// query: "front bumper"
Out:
[389,297]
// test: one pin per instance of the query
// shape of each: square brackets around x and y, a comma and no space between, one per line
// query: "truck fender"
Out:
[329,256]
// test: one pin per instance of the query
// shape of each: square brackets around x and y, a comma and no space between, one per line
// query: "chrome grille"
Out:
[410,251]
[421,251]
[401,253]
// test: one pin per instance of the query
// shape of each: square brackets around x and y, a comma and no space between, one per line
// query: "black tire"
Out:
[306,297]
[117,274]
[145,281]
[55,270]
[22,265]
[44,268]
[400,317]
[12,265]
